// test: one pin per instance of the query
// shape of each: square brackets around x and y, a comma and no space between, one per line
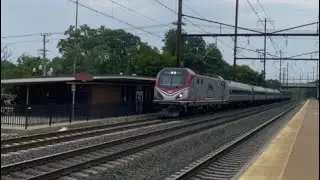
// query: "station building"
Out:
[80,97]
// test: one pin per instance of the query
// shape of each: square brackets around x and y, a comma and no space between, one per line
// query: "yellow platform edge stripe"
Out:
[272,162]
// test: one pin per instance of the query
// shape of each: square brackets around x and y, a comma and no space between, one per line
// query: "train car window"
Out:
[239,92]
[197,81]
[201,81]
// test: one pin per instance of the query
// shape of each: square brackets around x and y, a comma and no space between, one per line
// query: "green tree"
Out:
[98,51]
[24,67]
[196,54]
[5,52]
[149,61]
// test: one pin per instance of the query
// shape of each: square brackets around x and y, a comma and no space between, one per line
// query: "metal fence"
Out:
[22,116]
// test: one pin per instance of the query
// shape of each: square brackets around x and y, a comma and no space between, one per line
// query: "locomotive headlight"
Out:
[179,96]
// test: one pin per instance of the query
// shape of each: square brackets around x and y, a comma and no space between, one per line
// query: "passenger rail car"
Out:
[285,95]
[182,90]
[240,92]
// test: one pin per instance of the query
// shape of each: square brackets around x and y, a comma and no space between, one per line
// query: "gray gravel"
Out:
[77,124]
[72,145]
[81,143]
[244,152]
[8,135]
[173,156]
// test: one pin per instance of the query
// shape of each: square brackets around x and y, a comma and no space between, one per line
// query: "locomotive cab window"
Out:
[172,79]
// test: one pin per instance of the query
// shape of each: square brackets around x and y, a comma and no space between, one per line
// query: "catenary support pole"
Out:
[179,33]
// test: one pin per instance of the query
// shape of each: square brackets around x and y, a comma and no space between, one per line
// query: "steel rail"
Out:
[189,171]
[204,125]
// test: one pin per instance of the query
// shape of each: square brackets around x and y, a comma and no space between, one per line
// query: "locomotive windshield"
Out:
[172,79]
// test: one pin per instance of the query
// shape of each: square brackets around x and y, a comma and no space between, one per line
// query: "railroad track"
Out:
[32,141]
[38,140]
[57,165]
[225,162]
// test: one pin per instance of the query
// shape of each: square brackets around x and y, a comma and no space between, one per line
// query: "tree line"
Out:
[103,51]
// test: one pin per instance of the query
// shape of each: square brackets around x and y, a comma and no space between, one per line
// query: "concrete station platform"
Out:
[294,152]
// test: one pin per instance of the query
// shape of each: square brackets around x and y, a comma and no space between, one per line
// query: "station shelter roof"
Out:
[82,78]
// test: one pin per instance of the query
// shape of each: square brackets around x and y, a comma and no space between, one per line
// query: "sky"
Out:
[21,17]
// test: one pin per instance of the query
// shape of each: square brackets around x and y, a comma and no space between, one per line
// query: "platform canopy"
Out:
[81,78]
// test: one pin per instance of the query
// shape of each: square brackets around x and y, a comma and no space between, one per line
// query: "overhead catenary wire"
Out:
[30,35]
[204,19]
[58,39]
[260,20]
[115,18]
[134,11]
[62,33]
[273,43]
[174,12]
[243,48]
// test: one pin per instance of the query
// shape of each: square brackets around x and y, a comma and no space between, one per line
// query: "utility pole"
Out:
[287,73]
[283,76]
[236,37]
[76,27]
[318,23]
[318,70]
[77,6]
[300,79]
[44,50]
[313,74]
[179,32]
[280,66]
[265,48]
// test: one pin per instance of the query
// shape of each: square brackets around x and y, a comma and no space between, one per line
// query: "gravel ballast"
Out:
[8,135]
[72,145]
[173,156]
[76,124]
[244,152]
[81,143]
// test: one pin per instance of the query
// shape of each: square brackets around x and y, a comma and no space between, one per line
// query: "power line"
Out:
[268,17]
[260,20]
[29,35]
[235,42]
[253,34]
[21,42]
[53,33]
[134,11]
[114,18]
[313,52]
[171,10]
[195,12]
[57,39]
[214,22]
[287,59]
[194,23]
[224,24]
[265,34]
[165,6]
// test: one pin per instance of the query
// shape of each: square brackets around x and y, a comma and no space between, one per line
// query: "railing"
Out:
[22,116]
